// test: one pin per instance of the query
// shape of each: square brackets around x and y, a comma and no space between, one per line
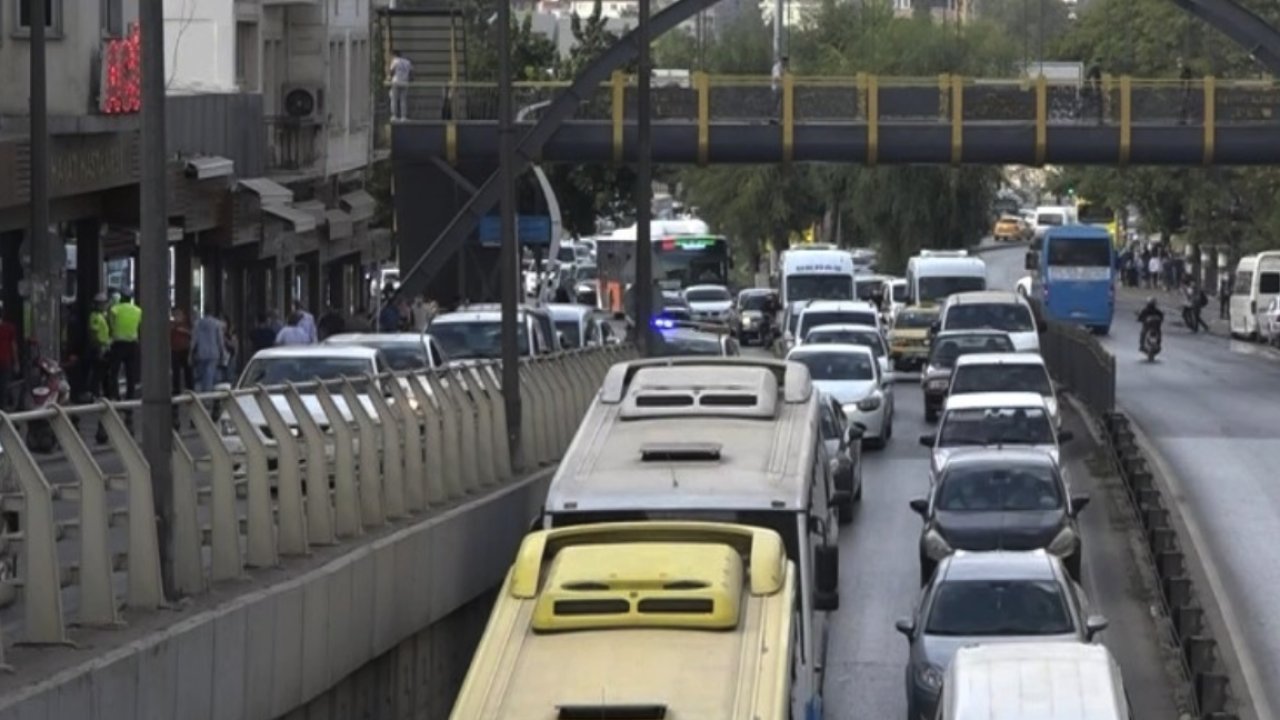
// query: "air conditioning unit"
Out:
[302,103]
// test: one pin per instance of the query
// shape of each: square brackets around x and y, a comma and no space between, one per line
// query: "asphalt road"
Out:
[880,577]
[1210,409]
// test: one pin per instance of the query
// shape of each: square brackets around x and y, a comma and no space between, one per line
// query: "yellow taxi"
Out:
[1009,228]
[909,337]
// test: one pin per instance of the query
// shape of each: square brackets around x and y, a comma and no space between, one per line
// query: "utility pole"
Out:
[46,268]
[510,255]
[779,19]
[644,190]
[153,291]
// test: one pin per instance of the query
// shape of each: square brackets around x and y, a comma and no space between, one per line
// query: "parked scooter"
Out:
[49,387]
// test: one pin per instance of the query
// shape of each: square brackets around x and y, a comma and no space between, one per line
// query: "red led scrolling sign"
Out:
[122,74]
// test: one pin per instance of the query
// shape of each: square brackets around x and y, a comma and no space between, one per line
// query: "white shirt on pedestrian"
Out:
[1153,265]
[400,70]
[292,335]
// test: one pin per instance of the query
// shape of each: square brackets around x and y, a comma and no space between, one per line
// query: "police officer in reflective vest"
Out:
[125,318]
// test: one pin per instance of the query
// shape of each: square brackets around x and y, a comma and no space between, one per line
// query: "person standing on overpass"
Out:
[399,70]
[779,69]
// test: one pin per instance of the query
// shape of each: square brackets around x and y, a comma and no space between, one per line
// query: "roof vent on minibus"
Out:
[702,391]
[642,585]
[680,452]
[944,253]
[631,711]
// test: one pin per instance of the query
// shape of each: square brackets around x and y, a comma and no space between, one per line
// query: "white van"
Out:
[933,276]
[1034,681]
[817,275]
[1257,282]
[1051,216]
[992,310]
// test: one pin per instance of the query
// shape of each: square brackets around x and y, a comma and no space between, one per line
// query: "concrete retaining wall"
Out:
[269,653]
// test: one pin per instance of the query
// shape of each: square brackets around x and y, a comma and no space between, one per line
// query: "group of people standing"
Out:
[203,354]
[1152,267]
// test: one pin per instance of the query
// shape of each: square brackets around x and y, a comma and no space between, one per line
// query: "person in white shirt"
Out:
[292,334]
[779,69]
[399,71]
[1154,266]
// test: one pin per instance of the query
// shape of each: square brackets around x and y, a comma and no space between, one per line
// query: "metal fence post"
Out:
[291,524]
[145,589]
[346,495]
[188,558]
[262,528]
[224,530]
[369,486]
[319,507]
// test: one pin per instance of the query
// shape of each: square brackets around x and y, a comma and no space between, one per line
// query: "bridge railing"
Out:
[1078,362]
[260,475]
[870,98]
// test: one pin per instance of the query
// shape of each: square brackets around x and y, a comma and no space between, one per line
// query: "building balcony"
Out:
[295,147]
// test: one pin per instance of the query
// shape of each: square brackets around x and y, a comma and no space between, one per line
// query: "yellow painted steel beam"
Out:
[702,83]
[451,142]
[1210,118]
[957,119]
[1042,118]
[1126,118]
[618,81]
[873,120]
[788,116]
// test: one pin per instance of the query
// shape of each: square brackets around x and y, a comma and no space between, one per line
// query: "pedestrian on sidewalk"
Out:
[307,322]
[1224,296]
[180,352]
[263,335]
[207,351]
[293,334]
[98,358]
[399,72]
[421,313]
[229,363]
[1153,271]
[125,320]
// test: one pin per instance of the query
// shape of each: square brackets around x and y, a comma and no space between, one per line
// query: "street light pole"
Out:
[643,288]
[510,254]
[153,290]
[46,292]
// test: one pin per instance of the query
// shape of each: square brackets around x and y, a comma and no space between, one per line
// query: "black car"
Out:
[946,347]
[1004,499]
[755,319]
[843,441]
[679,339]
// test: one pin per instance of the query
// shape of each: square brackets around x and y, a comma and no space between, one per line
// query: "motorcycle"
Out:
[1150,338]
[49,387]
[1189,318]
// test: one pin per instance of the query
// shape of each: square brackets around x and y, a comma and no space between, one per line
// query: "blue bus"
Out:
[1074,276]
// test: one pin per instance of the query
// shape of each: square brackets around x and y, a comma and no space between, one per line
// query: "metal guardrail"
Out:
[1115,101]
[246,494]
[1079,363]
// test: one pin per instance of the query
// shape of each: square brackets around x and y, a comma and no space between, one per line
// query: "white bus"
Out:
[933,276]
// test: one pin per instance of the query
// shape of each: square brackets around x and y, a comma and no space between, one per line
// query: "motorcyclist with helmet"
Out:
[1150,313]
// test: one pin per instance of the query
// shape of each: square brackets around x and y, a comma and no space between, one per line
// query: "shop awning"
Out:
[299,221]
[339,224]
[268,191]
[359,204]
[314,208]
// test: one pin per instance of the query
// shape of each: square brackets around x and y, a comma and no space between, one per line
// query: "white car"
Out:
[1005,372]
[710,303]
[993,420]
[274,367]
[866,335]
[402,351]
[851,375]
[994,310]
[837,312]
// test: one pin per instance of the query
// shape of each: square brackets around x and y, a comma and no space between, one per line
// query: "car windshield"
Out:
[673,299]
[585,272]
[707,295]
[819,287]
[946,350]
[810,319]
[676,344]
[1049,219]
[837,365]
[476,339]
[900,292]
[1009,317]
[571,332]
[870,290]
[999,488]
[866,338]
[1001,378]
[999,608]
[996,426]
[914,320]
[281,370]
[753,301]
[937,289]
[402,355]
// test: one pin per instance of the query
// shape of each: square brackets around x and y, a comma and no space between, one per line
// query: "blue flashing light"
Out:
[663,323]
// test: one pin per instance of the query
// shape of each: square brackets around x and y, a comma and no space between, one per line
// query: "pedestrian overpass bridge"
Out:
[365,601]
[873,120]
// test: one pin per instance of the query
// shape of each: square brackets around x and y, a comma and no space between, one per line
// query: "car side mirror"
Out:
[1078,503]
[1094,625]
[1065,437]
[920,506]
[906,626]
[928,440]
[1032,260]
[827,578]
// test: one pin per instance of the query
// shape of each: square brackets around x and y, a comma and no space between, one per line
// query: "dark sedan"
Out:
[988,598]
[945,348]
[843,440]
[1000,500]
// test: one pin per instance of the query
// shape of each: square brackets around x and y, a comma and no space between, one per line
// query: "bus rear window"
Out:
[1079,253]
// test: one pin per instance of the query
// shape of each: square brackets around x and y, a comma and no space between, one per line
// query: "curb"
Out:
[1208,665]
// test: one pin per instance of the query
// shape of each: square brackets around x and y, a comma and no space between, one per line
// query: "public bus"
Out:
[1073,278]
[684,253]
[1100,215]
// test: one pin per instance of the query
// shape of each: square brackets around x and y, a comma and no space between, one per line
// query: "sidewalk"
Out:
[1171,304]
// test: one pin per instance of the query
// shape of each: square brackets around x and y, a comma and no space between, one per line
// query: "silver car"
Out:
[988,598]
